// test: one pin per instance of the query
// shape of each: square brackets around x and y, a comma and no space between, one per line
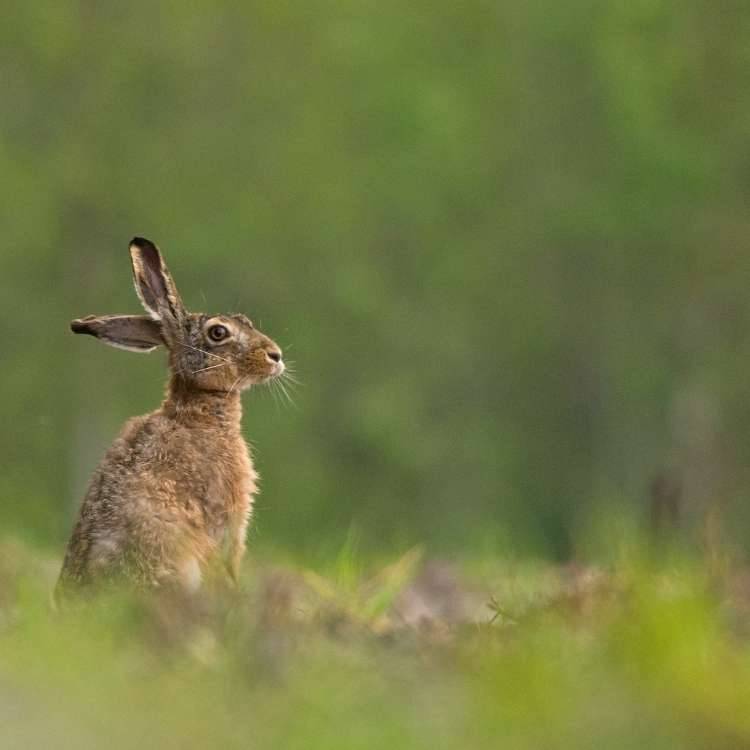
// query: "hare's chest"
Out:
[229,488]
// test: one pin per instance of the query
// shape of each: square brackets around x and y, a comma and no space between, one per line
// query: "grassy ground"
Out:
[412,654]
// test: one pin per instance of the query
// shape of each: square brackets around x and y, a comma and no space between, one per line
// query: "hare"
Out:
[172,498]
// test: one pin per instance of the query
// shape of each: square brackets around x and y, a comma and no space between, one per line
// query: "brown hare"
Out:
[172,498]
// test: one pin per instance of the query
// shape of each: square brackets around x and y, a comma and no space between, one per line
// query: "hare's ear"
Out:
[136,333]
[154,285]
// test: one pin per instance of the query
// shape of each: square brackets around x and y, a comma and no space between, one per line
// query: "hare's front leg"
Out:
[243,490]
[236,541]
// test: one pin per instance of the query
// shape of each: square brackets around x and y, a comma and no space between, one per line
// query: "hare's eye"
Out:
[218,333]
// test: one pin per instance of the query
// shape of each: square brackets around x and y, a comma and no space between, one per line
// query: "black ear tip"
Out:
[84,325]
[79,326]
[142,243]
[147,250]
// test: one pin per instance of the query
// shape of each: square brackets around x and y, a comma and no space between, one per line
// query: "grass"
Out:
[412,654]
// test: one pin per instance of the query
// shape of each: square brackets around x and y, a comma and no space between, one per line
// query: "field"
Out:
[505,247]
[414,653]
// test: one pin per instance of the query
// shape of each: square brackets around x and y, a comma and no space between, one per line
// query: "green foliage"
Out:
[634,657]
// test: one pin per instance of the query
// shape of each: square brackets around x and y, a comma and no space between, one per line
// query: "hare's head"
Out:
[207,352]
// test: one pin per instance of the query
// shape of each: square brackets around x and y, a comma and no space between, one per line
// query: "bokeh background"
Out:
[504,243]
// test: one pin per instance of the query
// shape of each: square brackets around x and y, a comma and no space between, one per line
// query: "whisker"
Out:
[277,386]
[290,373]
[289,399]
[203,351]
[290,378]
[210,367]
[234,385]
[274,395]
[277,389]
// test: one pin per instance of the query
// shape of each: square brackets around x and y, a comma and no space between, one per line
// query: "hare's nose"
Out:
[274,354]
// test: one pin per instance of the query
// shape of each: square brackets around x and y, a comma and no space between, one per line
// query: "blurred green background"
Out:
[504,243]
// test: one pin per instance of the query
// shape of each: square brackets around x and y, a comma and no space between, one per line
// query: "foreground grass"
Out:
[412,655]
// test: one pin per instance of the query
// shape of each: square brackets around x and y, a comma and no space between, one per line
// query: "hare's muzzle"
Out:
[273,357]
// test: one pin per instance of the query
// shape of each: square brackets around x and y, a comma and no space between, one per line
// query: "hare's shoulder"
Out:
[159,441]
[148,448]
[197,458]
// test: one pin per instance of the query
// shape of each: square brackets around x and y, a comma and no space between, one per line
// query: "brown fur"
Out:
[172,498]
